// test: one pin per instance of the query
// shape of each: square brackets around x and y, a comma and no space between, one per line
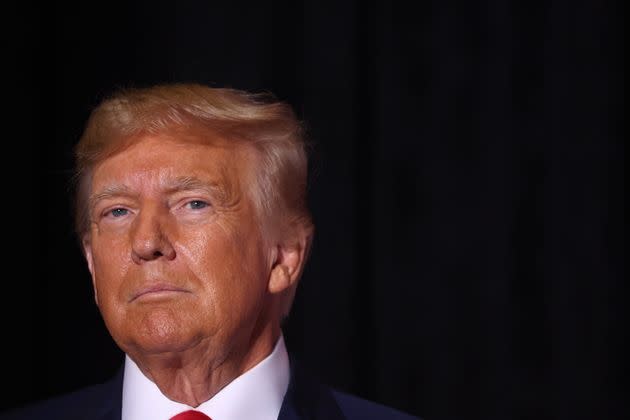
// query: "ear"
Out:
[289,258]
[87,251]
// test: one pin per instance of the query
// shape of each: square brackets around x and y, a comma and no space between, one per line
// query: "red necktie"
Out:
[191,415]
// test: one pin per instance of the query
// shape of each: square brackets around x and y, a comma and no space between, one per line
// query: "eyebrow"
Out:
[188,183]
[222,192]
[184,183]
[109,192]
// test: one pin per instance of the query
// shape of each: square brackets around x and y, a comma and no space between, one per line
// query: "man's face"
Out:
[175,246]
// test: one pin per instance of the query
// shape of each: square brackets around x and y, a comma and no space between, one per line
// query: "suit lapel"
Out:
[110,407]
[306,399]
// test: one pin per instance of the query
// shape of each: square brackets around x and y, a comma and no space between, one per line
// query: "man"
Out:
[192,215]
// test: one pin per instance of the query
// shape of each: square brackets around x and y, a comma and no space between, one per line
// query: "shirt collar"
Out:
[255,395]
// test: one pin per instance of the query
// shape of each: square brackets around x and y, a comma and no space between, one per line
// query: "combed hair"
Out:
[261,120]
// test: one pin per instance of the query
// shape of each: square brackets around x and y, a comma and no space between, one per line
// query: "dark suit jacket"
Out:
[305,399]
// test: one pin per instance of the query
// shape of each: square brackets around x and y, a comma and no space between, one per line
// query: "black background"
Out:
[467,189]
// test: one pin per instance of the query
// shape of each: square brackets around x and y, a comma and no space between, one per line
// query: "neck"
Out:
[197,374]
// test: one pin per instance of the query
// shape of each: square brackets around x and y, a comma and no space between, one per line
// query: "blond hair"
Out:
[258,119]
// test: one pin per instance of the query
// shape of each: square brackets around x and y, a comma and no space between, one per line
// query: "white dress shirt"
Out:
[255,395]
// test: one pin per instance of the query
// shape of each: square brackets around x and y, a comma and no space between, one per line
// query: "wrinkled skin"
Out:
[186,282]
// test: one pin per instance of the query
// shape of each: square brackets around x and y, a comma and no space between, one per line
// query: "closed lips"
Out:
[157,289]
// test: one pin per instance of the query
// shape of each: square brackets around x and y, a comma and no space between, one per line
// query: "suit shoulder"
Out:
[354,407]
[91,402]
[57,407]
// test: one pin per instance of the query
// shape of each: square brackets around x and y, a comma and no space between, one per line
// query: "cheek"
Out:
[195,246]
[229,266]
[111,264]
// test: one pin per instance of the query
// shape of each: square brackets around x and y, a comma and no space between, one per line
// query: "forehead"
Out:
[156,159]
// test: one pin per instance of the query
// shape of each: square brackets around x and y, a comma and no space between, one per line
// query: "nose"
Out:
[149,237]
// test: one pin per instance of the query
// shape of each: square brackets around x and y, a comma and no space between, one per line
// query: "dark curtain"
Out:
[466,185]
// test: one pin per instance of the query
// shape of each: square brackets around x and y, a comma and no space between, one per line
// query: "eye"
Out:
[197,204]
[119,212]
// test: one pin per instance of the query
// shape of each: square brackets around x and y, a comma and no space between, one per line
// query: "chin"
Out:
[157,331]
[148,345]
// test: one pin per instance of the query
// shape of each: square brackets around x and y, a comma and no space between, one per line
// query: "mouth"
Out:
[157,292]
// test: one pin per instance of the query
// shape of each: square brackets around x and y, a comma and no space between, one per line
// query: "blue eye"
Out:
[197,204]
[119,212]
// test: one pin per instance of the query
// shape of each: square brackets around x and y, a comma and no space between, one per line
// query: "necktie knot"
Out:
[190,415]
